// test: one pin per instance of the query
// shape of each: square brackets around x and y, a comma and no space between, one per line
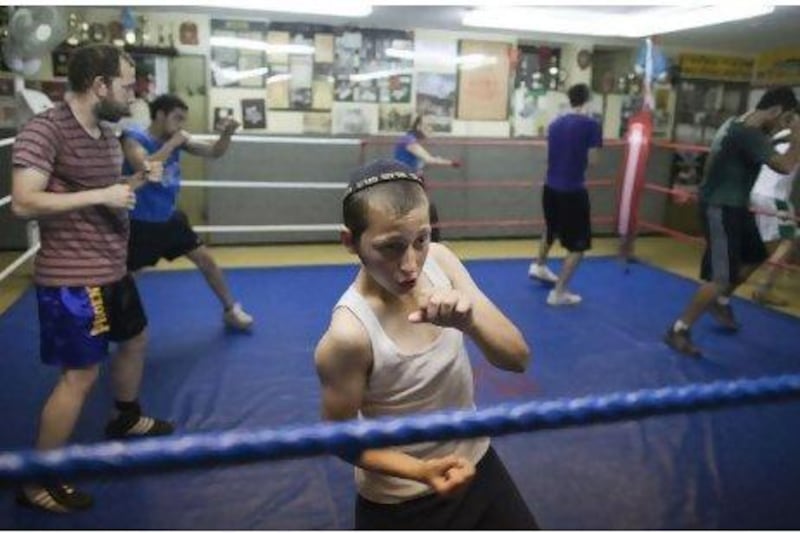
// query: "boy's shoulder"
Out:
[345,333]
[444,256]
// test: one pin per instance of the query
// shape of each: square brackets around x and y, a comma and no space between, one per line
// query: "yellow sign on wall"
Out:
[710,67]
[778,67]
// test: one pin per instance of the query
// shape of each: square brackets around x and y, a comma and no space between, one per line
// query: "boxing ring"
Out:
[608,429]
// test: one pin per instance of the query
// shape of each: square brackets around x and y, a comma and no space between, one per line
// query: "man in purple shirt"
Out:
[572,143]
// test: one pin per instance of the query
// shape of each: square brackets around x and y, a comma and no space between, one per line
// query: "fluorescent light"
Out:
[227,76]
[466,61]
[644,22]
[336,8]
[278,77]
[252,44]
[399,54]
[380,74]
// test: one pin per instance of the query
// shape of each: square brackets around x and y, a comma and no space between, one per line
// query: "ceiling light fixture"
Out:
[644,22]
[339,8]
[252,44]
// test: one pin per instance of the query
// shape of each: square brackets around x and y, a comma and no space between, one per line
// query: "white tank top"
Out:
[774,184]
[437,377]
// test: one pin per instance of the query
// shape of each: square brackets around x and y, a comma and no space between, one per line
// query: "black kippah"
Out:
[380,171]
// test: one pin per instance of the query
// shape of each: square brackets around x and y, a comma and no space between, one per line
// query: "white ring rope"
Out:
[7,141]
[269,229]
[5,200]
[279,140]
[21,259]
[264,184]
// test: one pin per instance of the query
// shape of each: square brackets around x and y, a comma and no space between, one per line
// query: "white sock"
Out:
[679,326]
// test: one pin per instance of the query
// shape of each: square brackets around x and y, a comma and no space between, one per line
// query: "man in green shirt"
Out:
[734,248]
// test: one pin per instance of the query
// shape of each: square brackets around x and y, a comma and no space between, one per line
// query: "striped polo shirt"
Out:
[86,246]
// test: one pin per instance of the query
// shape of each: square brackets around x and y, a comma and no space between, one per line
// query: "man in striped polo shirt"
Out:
[67,175]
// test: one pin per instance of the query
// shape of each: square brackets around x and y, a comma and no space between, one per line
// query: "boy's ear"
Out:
[346,237]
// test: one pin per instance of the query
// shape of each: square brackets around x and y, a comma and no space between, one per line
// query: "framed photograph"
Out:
[220,115]
[354,119]
[317,123]
[395,118]
[254,114]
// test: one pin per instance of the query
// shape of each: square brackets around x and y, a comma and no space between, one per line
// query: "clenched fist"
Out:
[448,475]
[119,196]
[153,171]
[447,308]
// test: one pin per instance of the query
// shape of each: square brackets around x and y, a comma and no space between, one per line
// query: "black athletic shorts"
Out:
[732,241]
[151,241]
[490,501]
[567,215]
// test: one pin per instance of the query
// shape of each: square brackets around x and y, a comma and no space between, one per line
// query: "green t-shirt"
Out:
[736,156]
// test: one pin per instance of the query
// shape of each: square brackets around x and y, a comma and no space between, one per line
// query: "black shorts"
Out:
[77,323]
[491,501]
[567,215]
[732,241]
[151,241]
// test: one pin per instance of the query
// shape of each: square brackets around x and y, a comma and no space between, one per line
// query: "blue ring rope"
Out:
[349,438]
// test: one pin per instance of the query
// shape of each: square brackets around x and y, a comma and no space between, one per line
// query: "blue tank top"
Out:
[402,154]
[155,202]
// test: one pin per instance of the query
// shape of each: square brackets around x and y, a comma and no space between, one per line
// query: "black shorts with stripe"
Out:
[732,242]
[567,215]
[76,324]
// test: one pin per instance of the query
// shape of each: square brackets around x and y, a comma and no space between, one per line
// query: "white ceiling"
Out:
[749,37]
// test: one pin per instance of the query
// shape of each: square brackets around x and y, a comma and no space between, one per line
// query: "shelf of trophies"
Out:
[135,34]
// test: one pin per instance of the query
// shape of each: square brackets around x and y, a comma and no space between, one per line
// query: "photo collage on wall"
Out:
[373,66]
[301,80]
[236,66]
[323,68]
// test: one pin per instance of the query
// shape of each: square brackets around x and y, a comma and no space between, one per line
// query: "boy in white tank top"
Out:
[772,192]
[395,346]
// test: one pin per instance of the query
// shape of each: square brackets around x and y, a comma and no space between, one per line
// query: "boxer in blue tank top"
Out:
[158,228]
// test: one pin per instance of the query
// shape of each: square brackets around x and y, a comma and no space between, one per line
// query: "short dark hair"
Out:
[166,103]
[402,188]
[90,61]
[783,96]
[416,127]
[578,94]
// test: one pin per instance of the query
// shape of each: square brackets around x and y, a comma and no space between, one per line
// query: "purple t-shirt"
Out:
[569,139]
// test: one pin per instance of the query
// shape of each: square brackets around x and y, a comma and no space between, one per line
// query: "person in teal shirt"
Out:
[734,249]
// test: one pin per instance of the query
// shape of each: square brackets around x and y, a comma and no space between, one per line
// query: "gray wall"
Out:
[512,161]
[481,163]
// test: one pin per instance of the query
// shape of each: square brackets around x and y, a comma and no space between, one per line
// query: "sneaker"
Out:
[58,498]
[681,341]
[564,298]
[236,318]
[723,314]
[124,427]
[764,298]
[542,273]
